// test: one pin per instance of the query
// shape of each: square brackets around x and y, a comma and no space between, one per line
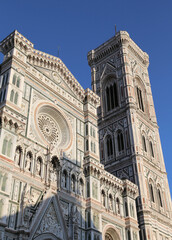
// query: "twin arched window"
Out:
[14,97]
[7,146]
[158,195]
[109,146]
[16,80]
[73,182]
[120,141]
[140,99]
[111,96]
[145,147]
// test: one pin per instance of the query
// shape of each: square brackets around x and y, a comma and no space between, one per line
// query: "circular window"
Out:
[52,126]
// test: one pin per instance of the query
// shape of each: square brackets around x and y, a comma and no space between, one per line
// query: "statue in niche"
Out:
[18,156]
[38,166]
[110,204]
[28,162]
[81,187]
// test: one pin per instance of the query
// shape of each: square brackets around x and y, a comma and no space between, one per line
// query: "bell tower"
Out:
[130,146]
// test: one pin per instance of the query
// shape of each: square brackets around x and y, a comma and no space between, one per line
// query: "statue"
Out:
[38,167]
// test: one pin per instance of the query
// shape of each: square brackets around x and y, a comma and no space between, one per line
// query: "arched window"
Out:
[4,182]
[9,148]
[3,80]
[14,79]
[120,141]
[144,143]
[86,145]
[12,96]
[1,207]
[0,97]
[111,96]
[73,182]
[92,146]
[6,79]
[128,235]
[3,98]
[108,99]
[16,98]
[103,198]
[18,82]
[140,99]
[126,209]
[109,146]
[115,94]
[151,192]
[151,149]
[86,129]
[4,146]
[159,198]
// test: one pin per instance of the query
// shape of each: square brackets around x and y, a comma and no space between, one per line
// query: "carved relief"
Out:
[50,223]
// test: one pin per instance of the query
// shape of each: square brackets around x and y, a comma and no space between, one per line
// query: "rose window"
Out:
[49,128]
[52,126]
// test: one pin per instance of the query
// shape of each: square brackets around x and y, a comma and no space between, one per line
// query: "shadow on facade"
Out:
[52,209]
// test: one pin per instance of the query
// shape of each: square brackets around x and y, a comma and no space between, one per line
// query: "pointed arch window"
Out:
[151,149]
[4,182]
[144,143]
[4,146]
[120,141]
[109,146]
[18,82]
[9,147]
[3,98]
[14,79]
[159,198]
[151,192]
[73,182]
[140,99]
[111,96]
[3,81]
[87,145]
[126,209]
[12,96]
[16,98]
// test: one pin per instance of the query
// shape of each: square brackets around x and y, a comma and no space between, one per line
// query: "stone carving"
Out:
[28,162]
[49,128]
[28,200]
[50,223]
[65,211]
[75,221]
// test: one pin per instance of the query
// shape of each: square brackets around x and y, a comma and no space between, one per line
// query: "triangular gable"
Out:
[57,78]
[49,220]
[108,70]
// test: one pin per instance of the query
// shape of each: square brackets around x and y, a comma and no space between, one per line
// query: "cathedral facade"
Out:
[80,164]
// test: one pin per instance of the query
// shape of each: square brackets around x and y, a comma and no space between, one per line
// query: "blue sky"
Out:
[75,27]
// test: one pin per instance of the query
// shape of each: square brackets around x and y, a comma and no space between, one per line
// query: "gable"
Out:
[56,78]
[50,222]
